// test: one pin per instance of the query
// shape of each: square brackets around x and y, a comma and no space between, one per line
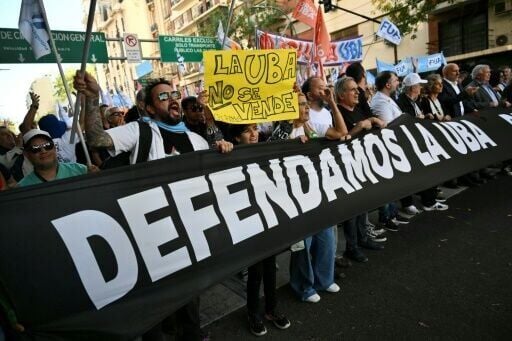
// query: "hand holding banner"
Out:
[251,86]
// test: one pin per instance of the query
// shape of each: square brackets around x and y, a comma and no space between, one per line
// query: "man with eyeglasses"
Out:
[40,149]
[170,136]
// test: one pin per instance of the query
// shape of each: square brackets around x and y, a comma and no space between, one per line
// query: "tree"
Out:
[246,18]
[58,86]
[408,14]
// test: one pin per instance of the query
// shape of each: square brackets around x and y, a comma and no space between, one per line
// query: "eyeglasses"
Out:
[39,148]
[165,95]
[118,113]
[196,108]
[303,104]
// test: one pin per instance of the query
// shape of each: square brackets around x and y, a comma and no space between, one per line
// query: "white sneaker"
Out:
[411,210]
[313,298]
[332,288]
[374,231]
[436,207]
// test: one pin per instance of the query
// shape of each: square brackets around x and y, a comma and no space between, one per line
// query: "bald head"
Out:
[451,72]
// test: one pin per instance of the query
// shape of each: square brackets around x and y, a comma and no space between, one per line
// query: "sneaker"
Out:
[400,220]
[436,207]
[279,320]
[377,239]
[374,231]
[441,199]
[342,262]
[355,255]
[315,298]
[256,326]
[390,225]
[411,210]
[333,288]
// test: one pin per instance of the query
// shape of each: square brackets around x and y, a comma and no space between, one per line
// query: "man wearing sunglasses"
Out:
[114,117]
[39,148]
[169,137]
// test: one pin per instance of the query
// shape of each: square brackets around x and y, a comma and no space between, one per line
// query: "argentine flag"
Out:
[33,28]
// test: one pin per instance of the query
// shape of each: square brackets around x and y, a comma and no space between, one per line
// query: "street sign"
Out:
[15,49]
[185,49]
[132,48]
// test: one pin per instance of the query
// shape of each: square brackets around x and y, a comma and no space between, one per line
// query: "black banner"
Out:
[107,256]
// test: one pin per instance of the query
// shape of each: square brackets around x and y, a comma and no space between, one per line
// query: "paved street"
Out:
[447,275]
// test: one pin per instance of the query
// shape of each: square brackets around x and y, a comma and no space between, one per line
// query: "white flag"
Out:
[229,44]
[33,28]
[389,31]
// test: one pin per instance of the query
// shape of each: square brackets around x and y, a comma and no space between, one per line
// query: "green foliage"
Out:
[250,15]
[408,14]
[58,86]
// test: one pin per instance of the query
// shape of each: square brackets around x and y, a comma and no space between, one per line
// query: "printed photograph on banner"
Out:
[251,86]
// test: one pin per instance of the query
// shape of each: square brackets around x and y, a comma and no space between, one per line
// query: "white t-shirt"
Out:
[320,129]
[384,107]
[126,138]
[66,151]
[320,117]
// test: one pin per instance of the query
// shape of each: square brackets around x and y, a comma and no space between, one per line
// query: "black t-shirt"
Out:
[176,141]
[351,118]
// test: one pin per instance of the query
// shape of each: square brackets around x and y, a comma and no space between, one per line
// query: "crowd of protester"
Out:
[164,124]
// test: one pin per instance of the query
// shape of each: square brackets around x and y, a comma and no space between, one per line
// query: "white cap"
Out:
[413,79]
[33,133]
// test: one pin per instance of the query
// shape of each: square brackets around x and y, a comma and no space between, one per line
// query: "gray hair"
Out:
[431,80]
[339,87]
[477,69]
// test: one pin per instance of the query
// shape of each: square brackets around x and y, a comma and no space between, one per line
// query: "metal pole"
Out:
[85,54]
[231,7]
[68,93]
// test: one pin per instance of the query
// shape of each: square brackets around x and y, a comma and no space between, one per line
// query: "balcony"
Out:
[177,4]
[203,11]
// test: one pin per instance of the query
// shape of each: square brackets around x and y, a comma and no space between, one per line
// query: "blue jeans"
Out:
[388,211]
[312,269]
[355,231]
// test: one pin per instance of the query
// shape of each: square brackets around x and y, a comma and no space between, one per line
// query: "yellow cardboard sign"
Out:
[251,86]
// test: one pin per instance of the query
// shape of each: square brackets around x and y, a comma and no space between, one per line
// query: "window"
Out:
[463,30]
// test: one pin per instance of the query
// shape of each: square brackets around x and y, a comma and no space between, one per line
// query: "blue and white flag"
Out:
[33,28]
[430,63]
[383,66]
[370,78]
[389,31]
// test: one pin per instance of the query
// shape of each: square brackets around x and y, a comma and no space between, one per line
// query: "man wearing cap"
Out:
[39,148]
[60,132]
[407,100]
[114,116]
[383,106]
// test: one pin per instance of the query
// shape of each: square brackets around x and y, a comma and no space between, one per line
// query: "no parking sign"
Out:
[132,48]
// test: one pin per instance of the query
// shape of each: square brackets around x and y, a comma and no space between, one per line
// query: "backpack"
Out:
[123,159]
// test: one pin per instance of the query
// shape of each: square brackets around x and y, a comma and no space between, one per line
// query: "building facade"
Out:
[465,30]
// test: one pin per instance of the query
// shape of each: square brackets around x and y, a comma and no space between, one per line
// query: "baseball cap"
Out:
[113,111]
[413,79]
[33,133]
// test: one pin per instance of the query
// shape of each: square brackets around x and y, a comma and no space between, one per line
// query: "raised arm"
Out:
[339,131]
[96,135]
[28,121]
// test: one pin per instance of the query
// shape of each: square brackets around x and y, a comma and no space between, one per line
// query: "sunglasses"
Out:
[39,148]
[164,96]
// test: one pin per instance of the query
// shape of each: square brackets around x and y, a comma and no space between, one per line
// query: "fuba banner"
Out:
[107,256]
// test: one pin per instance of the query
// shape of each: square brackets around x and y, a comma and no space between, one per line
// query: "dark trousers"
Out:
[355,231]
[184,323]
[428,198]
[264,270]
